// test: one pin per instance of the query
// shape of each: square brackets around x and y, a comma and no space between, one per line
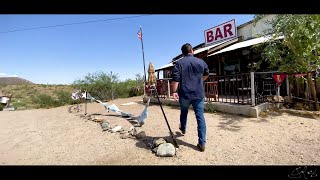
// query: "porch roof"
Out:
[165,66]
[198,51]
[247,43]
[209,47]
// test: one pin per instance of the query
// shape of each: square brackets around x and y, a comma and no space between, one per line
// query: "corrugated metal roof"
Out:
[199,50]
[165,66]
[208,47]
[196,52]
[247,43]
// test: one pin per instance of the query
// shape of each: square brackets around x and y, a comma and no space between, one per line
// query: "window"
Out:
[232,67]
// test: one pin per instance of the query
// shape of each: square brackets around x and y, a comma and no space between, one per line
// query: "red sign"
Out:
[279,78]
[227,30]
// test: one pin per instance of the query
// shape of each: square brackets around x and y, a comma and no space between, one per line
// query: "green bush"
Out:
[107,86]
[19,104]
[45,101]
[1,107]
[211,108]
[63,97]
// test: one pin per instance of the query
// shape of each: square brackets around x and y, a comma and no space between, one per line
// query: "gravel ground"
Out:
[57,137]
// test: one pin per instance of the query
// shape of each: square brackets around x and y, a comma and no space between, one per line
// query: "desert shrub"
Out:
[1,107]
[19,103]
[107,86]
[44,101]
[211,108]
[64,98]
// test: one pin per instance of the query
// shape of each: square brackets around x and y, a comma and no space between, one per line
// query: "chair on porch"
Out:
[162,87]
[211,90]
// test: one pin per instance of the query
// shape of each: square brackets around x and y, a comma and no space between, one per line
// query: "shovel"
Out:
[165,117]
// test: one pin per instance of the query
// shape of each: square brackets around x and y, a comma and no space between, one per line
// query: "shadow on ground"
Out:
[142,143]
[231,122]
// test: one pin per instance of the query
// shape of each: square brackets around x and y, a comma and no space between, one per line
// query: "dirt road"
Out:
[55,136]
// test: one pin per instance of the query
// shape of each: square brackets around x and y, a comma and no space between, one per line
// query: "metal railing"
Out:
[235,89]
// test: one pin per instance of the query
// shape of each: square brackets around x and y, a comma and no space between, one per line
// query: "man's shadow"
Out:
[131,119]
[143,143]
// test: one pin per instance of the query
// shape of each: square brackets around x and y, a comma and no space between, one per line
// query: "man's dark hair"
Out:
[186,49]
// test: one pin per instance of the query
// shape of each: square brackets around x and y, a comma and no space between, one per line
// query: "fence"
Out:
[235,89]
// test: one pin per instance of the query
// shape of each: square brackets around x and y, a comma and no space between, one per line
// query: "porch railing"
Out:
[229,88]
[235,89]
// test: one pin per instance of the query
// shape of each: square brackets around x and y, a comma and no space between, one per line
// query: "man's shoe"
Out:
[182,131]
[202,148]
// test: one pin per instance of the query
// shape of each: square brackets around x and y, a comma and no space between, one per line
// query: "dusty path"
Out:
[55,136]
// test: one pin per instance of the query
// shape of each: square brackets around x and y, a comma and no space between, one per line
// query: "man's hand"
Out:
[175,96]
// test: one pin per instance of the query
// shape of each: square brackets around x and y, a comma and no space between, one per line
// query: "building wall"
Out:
[250,31]
[245,32]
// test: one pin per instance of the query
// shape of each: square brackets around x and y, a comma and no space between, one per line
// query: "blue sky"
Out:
[59,55]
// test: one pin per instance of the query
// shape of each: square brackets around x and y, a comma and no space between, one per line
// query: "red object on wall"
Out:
[279,78]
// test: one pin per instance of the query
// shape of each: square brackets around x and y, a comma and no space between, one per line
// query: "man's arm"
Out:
[175,80]
[205,77]
[206,72]
[175,77]
[175,86]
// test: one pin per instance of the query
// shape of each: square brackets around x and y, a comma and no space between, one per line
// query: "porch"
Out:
[242,89]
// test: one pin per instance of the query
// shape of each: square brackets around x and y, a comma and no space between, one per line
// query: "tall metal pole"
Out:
[85,103]
[144,66]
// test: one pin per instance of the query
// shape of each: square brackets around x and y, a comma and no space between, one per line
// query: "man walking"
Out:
[189,74]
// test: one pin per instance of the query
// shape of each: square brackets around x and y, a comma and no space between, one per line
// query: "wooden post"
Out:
[253,95]
[168,88]
[278,96]
[288,87]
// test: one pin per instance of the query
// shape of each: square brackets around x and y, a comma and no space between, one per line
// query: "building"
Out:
[230,63]
[215,55]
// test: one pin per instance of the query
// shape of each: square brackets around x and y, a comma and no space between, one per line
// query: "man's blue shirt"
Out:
[188,71]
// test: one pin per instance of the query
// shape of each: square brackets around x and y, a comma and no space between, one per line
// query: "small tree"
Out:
[99,84]
[300,48]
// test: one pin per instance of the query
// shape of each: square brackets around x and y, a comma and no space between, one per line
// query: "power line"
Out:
[75,23]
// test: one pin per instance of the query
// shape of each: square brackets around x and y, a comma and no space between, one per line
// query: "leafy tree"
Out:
[108,86]
[99,84]
[299,50]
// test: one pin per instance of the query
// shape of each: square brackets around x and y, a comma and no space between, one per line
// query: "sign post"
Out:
[279,78]
[144,66]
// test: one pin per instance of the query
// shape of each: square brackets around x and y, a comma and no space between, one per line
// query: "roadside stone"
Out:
[125,136]
[166,150]
[134,132]
[141,135]
[154,150]
[157,142]
[105,125]
[116,129]
[122,131]
[98,120]
[131,129]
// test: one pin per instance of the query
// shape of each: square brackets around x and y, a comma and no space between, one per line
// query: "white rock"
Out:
[116,129]
[166,150]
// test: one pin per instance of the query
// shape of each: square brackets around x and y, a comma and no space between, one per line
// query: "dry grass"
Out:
[21,94]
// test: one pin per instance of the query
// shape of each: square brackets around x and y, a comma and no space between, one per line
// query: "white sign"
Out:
[227,30]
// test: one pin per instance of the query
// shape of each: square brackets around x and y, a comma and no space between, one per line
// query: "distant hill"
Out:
[14,81]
